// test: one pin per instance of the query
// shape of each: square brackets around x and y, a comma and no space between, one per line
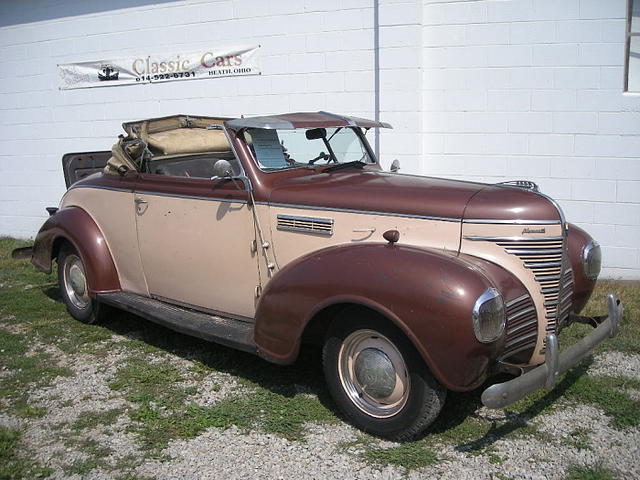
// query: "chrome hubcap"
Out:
[373,373]
[75,282]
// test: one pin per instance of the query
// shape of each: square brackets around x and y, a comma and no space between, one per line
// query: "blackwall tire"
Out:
[72,280]
[377,378]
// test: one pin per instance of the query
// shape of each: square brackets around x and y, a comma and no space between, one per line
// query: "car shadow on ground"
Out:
[506,422]
[304,376]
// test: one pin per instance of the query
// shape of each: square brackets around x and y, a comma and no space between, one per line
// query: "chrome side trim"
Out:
[363,212]
[100,187]
[191,197]
[511,222]
[479,238]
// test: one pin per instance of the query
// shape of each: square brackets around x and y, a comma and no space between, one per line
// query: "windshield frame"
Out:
[359,132]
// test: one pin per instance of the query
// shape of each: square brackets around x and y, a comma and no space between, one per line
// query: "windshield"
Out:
[280,149]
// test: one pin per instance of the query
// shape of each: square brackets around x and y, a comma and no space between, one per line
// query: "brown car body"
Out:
[285,251]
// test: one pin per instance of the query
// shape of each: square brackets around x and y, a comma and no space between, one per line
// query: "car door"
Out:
[196,238]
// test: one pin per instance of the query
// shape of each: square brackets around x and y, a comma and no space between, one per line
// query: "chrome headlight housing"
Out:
[591,260]
[489,316]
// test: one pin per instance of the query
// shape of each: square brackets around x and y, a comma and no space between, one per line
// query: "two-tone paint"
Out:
[219,246]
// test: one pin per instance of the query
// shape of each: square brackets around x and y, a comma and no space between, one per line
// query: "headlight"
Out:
[591,260]
[488,316]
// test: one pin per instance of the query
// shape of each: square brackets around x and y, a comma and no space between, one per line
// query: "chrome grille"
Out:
[566,297]
[522,326]
[543,256]
[322,226]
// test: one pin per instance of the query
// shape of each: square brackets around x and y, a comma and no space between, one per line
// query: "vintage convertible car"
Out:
[270,233]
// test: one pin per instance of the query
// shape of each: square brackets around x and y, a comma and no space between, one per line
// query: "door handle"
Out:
[140,201]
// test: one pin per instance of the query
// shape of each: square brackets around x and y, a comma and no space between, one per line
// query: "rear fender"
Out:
[76,226]
[427,294]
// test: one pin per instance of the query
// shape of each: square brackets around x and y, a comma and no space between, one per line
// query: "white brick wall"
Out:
[550,74]
[479,89]
[315,55]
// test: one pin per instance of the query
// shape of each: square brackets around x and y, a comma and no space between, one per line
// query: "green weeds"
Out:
[28,370]
[408,455]
[166,412]
[589,473]
[92,420]
[579,438]
[13,465]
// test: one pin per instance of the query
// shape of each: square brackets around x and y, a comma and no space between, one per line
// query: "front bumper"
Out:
[502,394]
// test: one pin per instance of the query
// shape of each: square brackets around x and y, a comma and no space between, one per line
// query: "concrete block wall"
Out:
[533,89]
[315,55]
[400,83]
[486,90]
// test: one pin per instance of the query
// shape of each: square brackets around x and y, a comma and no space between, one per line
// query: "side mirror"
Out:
[222,169]
[395,166]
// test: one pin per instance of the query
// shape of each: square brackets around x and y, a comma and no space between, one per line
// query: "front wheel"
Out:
[72,279]
[378,379]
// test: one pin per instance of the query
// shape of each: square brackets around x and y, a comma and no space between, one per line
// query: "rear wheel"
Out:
[378,379]
[72,279]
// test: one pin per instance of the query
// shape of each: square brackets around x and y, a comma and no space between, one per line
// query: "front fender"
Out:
[582,286]
[428,294]
[76,226]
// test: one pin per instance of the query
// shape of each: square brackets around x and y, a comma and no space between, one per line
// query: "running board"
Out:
[225,331]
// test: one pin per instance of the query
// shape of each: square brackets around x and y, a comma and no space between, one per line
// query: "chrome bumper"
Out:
[502,394]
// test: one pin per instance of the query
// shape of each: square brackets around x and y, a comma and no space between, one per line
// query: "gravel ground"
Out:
[232,453]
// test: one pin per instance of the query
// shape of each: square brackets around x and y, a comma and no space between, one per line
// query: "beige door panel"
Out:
[198,252]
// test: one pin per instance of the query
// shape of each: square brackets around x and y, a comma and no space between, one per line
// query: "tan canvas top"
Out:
[179,134]
[167,136]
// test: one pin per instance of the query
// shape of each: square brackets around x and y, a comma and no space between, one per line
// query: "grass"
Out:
[165,411]
[13,465]
[589,473]
[27,371]
[408,455]
[91,420]
[579,438]
[270,398]
[629,339]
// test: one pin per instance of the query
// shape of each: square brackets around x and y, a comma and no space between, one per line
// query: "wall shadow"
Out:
[28,11]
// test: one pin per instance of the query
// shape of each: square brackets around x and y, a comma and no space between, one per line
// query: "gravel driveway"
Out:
[546,450]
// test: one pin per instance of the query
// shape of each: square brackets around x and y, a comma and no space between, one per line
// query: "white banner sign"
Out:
[207,63]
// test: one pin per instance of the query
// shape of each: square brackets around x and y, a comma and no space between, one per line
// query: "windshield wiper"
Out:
[356,164]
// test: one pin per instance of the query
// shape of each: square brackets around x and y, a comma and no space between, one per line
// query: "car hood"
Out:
[410,195]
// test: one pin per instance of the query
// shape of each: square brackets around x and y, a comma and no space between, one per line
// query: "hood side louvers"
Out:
[320,226]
